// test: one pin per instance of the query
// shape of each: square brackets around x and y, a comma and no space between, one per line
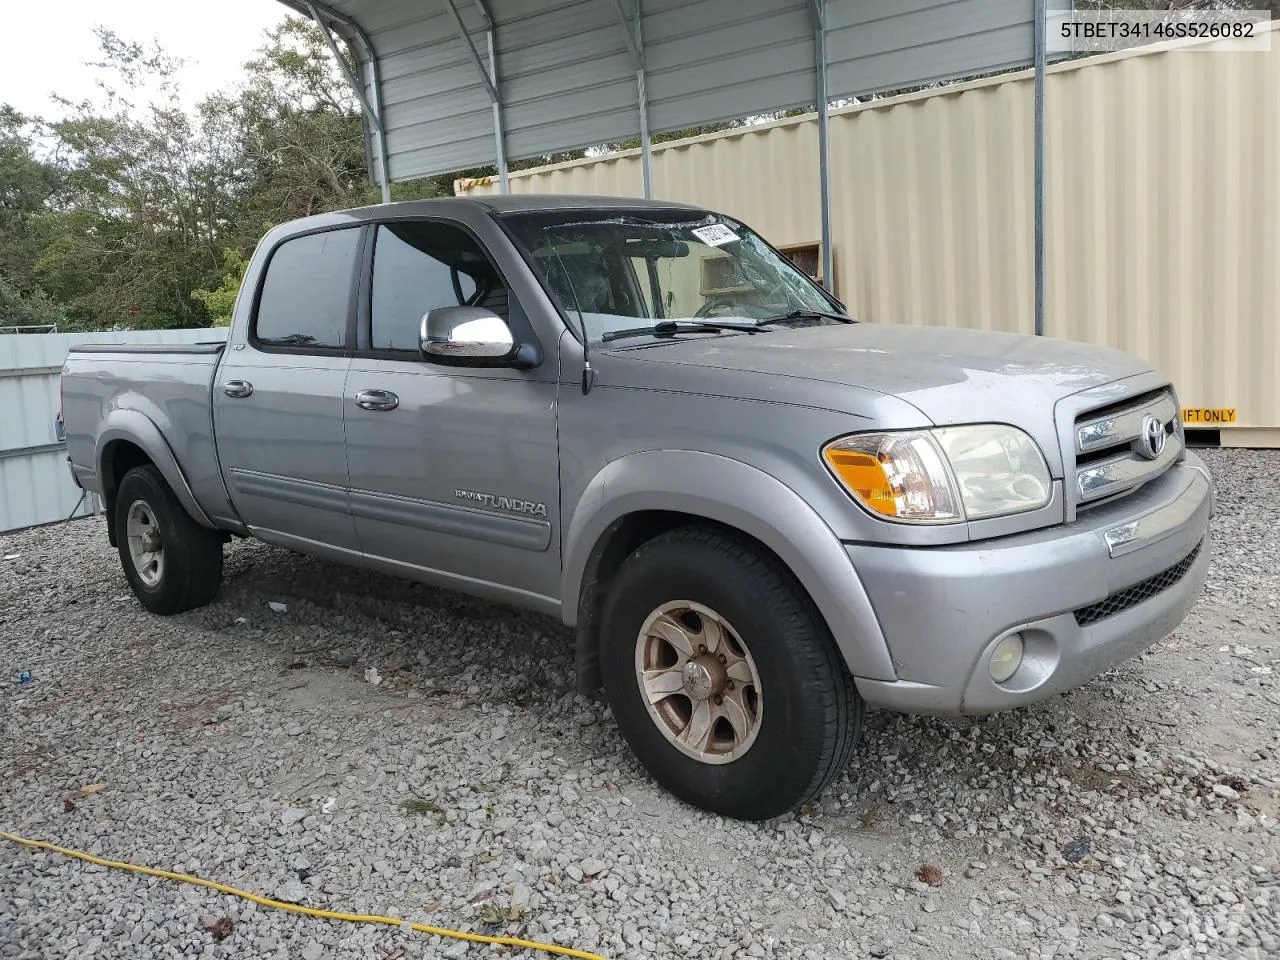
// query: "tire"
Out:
[773,752]
[188,570]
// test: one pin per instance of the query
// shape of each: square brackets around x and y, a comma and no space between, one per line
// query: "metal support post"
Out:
[489,75]
[380,137]
[635,48]
[499,135]
[824,141]
[1038,202]
[642,101]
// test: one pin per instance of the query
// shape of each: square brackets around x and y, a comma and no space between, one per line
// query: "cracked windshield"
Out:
[621,273]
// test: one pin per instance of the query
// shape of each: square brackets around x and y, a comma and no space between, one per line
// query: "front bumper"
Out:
[1084,596]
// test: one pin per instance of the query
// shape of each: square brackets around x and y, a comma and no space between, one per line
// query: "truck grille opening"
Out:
[1132,596]
[1120,447]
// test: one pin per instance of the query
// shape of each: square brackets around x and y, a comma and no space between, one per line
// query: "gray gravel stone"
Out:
[472,780]
[292,890]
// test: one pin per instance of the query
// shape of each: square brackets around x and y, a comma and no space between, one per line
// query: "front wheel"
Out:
[723,677]
[171,562]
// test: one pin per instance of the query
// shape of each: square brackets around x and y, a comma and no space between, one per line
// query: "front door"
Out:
[278,397]
[454,473]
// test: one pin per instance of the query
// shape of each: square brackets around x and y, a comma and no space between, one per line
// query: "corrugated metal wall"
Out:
[1163,224]
[35,485]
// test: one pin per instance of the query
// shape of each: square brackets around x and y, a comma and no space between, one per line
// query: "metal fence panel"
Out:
[1163,219]
[35,485]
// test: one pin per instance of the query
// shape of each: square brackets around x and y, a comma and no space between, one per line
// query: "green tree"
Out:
[26,184]
[221,300]
[146,192]
[32,308]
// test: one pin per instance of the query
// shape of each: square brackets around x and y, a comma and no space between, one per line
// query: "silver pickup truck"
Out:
[759,514]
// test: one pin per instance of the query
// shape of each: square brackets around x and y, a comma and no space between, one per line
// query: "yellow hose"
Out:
[308,911]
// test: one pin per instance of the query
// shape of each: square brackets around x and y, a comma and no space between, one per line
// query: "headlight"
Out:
[945,475]
[999,469]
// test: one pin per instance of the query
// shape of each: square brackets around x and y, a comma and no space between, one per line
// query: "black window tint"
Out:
[306,294]
[420,266]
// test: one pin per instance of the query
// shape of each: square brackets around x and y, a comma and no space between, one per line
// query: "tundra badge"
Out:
[503,503]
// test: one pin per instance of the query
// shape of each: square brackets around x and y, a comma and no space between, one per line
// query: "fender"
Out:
[139,429]
[746,498]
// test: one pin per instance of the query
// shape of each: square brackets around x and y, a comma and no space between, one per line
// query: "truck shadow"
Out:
[950,777]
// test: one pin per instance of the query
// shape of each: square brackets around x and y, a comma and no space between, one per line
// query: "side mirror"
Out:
[471,337]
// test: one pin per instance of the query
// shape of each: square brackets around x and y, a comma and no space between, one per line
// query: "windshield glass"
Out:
[626,271]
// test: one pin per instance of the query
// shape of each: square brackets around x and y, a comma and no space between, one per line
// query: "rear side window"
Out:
[418,266]
[307,290]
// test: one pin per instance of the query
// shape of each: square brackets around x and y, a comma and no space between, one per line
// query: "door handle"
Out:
[237,388]
[377,400]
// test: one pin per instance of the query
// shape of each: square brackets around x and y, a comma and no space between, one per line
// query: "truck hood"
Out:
[950,375]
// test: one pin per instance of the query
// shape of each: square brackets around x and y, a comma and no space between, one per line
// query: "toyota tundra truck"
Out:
[759,515]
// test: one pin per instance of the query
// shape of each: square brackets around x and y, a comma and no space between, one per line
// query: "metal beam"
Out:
[499,134]
[818,8]
[356,86]
[375,84]
[32,450]
[452,9]
[633,47]
[1039,49]
[633,33]
[324,15]
[30,372]
[642,101]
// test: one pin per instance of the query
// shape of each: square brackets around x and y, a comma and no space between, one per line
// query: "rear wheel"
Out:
[723,677]
[171,562]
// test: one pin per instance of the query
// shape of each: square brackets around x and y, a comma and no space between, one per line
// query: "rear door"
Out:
[455,477]
[278,396]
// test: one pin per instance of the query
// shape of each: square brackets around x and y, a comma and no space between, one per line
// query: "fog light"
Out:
[1006,657]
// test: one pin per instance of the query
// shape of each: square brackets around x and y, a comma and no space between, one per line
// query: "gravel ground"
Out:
[379,746]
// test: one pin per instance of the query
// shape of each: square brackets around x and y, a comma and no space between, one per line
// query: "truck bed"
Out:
[170,385]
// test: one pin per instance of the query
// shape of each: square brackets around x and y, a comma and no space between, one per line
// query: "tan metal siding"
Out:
[1163,209]
[1163,219]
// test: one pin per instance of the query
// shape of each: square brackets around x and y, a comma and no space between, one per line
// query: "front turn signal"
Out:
[864,476]
[902,476]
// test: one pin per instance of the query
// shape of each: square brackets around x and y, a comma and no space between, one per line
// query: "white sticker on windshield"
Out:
[715,234]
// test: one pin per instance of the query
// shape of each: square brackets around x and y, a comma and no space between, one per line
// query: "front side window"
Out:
[306,294]
[419,266]
[618,270]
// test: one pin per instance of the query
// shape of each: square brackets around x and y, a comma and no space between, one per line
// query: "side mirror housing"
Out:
[472,337]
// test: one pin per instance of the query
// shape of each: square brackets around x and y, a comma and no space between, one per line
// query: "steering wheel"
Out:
[715,303]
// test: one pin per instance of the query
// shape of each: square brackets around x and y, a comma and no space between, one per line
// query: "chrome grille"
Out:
[1114,453]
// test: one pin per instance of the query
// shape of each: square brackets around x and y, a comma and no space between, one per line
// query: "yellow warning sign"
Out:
[1208,416]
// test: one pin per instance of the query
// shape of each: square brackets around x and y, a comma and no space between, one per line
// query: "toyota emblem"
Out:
[1153,437]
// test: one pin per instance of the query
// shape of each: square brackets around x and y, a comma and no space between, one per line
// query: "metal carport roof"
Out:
[450,84]
[566,70]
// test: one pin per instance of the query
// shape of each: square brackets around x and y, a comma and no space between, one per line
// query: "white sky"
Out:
[44,46]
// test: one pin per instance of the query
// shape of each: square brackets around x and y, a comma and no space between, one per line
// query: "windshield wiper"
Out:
[807,315]
[668,327]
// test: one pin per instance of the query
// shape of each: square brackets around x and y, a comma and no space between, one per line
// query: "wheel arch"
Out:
[129,439]
[640,496]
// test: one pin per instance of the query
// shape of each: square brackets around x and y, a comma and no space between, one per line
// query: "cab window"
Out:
[306,293]
[419,266]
